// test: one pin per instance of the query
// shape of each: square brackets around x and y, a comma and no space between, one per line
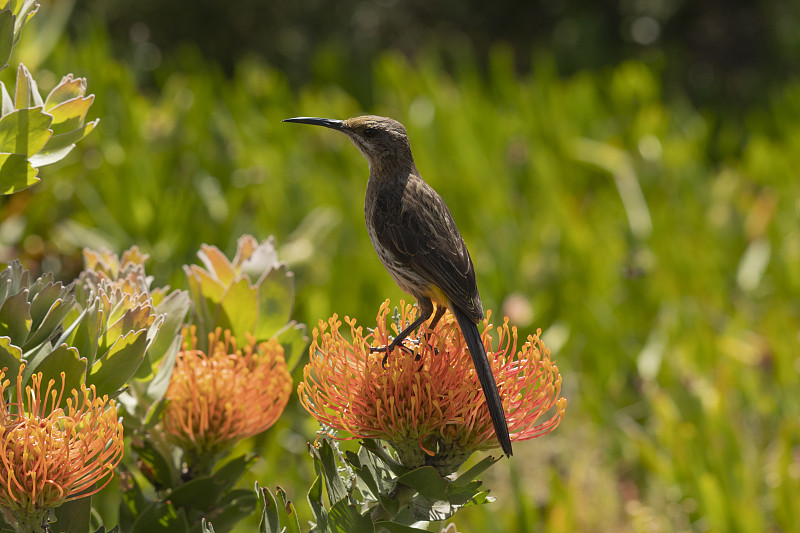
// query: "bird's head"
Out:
[381,140]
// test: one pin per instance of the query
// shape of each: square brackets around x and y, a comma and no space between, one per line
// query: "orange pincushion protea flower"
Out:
[428,403]
[50,454]
[224,396]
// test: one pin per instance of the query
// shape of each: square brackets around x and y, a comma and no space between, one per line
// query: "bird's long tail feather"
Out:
[470,331]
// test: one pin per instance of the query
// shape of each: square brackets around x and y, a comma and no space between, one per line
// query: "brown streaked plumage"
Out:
[416,239]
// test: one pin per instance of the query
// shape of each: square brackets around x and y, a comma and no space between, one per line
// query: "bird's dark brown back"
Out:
[416,231]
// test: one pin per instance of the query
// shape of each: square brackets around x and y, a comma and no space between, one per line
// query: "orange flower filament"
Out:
[227,395]
[430,397]
[50,455]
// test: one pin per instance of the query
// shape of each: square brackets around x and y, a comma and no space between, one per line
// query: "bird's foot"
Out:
[386,350]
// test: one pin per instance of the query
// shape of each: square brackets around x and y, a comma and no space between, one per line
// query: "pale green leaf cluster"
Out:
[253,295]
[100,330]
[35,131]
[13,16]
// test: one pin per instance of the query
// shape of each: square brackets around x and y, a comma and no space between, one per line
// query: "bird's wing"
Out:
[424,237]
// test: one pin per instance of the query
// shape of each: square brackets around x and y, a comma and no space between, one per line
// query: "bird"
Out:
[416,239]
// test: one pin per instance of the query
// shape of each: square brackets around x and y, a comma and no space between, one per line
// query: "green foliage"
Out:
[98,331]
[252,295]
[168,488]
[14,14]
[371,491]
[35,132]
[211,496]
[656,244]
[101,337]
[271,521]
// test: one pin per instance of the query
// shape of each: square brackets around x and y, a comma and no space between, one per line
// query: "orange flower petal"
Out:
[428,390]
[50,455]
[227,395]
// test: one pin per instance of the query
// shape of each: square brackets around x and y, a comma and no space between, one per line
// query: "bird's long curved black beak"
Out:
[327,122]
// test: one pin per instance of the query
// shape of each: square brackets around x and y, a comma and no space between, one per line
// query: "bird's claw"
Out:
[387,349]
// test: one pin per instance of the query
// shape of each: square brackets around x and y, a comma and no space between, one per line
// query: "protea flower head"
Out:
[105,270]
[53,448]
[218,398]
[427,402]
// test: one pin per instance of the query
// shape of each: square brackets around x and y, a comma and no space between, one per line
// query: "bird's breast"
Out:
[382,206]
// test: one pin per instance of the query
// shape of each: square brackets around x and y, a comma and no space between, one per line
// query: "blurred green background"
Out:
[625,175]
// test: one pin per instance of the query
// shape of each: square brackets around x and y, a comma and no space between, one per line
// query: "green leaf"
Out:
[35,357]
[6,36]
[63,359]
[393,527]
[161,517]
[345,518]
[375,447]
[159,470]
[427,481]
[146,370]
[54,317]
[232,471]
[372,481]
[25,11]
[102,529]
[119,365]
[424,509]
[325,460]
[209,286]
[153,415]
[158,386]
[7,103]
[67,89]
[202,493]
[476,470]
[238,309]
[54,151]
[293,522]
[15,317]
[438,497]
[14,277]
[59,146]
[16,173]
[84,331]
[70,114]
[133,501]
[317,507]
[132,319]
[461,494]
[73,516]
[206,293]
[27,95]
[294,340]
[174,308]
[234,507]
[46,294]
[275,302]
[217,264]
[269,511]
[10,357]
[24,131]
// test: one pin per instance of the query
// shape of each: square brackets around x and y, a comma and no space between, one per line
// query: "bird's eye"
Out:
[370,132]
